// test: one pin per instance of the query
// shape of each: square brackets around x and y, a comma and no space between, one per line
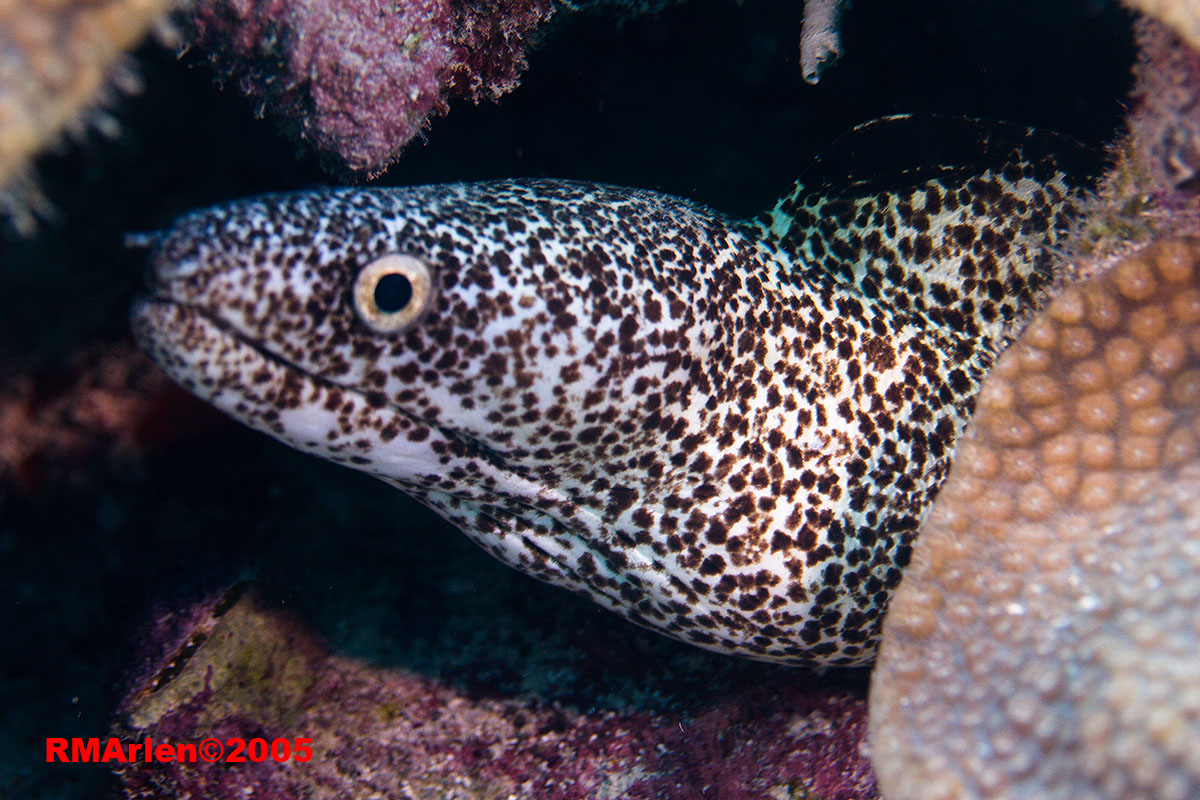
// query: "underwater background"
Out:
[120,497]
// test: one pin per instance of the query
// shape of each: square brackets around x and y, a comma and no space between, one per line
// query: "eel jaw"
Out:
[224,367]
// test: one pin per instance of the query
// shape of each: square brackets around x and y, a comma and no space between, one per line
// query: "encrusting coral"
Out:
[1044,640]
[1151,190]
[59,61]
[1181,15]
[357,79]
[109,404]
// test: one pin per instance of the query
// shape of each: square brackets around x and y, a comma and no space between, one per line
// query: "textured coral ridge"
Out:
[56,59]
[1045,640]
[231,668]
[356,79]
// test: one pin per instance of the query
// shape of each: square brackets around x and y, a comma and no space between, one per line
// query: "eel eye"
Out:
[392,292]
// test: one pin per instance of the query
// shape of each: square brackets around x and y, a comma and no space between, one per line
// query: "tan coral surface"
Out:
[1182,15]
[56,58]
[1045,642]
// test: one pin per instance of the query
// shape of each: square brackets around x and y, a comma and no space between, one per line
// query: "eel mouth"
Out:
[228,368]
[225,366]
[151,310]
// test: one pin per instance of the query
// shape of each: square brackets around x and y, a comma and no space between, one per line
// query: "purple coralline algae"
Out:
[229,667]
[107,405]
[357,79]
[1166,115]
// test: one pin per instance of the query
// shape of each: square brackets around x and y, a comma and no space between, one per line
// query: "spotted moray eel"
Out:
[727,431]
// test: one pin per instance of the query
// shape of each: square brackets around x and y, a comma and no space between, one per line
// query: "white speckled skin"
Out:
[727,431]
[1045,641]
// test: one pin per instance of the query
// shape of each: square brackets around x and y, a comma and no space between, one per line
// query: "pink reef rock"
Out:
[229,667]
[357,79]
[109,405]
[1165,119]
[1152,190]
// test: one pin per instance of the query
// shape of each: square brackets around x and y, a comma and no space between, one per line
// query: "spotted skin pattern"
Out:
[725,431]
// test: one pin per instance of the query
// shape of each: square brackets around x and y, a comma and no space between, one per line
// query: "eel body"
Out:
[728,431]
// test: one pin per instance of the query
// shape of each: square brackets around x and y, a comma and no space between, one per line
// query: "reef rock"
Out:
[231,668]
[357,79]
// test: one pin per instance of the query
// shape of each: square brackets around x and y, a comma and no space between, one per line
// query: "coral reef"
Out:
[59,62]
[231,667]
[1053,599]
[108,405]
[820,42]
[1163,125]
[357,79]
[1155,182]
[701,101]
[1183,16]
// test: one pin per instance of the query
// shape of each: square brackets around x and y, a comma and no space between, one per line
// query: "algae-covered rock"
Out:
[232,668]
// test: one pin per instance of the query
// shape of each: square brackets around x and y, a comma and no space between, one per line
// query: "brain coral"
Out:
[1045,641]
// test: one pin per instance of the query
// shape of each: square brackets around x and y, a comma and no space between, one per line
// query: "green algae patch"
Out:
[251,663]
